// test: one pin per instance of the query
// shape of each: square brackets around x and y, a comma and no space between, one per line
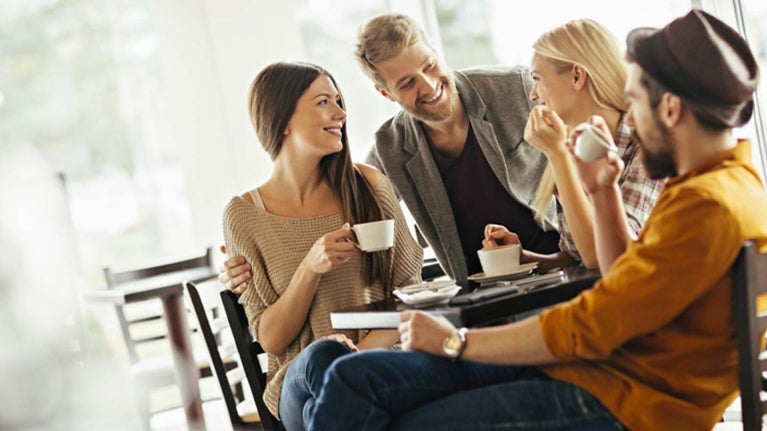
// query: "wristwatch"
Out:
[454,344]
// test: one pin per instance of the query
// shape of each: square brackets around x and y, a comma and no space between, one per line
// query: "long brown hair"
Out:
[272,102]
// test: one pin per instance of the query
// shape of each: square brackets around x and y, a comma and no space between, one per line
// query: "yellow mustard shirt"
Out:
[654,340]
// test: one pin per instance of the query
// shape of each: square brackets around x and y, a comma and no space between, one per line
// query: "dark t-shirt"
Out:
[478,198]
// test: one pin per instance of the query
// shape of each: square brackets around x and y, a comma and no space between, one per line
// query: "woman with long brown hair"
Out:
[294,230]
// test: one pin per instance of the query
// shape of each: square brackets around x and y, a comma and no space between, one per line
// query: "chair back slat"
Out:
[750,282]
[249,350]
[115,278]
[227,350]
[198,293]
[143,319]
[235,375]
[143,340]
[263,361]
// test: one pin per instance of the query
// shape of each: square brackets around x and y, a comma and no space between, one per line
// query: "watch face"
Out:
[454,342]
[452,345]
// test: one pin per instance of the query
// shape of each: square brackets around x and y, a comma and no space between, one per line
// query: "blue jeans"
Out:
[303,381]
[381,390]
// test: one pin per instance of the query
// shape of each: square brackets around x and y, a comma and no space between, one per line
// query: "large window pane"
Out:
[328,30]
[503,32]
[755,20]
[79,81]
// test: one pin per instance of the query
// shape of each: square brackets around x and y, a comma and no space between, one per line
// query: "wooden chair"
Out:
[750,282]
[143,332]
[214,328]
[252,357]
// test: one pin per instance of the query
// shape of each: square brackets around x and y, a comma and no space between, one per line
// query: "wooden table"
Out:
[170,290]
[385,314]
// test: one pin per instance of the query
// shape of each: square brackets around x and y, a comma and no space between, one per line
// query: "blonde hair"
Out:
[591,46]
[383,37]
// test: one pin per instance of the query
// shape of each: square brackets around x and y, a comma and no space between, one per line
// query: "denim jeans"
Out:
[381,390]
[303,381]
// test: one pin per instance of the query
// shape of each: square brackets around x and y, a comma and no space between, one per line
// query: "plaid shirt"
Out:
[639,192]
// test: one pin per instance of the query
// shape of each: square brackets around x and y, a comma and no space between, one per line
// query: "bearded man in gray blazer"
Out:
[455,153]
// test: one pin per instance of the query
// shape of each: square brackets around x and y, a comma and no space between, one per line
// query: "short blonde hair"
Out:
[590,45]
[383,37]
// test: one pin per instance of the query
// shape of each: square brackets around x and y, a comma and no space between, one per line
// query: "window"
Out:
[755,21]
[328,31]
[79,81]
[468,27]
[751,19]
[468,32]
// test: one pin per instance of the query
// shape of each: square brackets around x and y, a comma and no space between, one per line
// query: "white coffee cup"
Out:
[498,261]
[375,235]
[592,144]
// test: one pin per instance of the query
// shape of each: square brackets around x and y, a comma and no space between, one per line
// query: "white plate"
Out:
[424,297]
[525,268]
[429,285]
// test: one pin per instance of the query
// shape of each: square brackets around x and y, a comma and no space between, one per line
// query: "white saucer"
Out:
[524,269]
[424,297]
[429,285]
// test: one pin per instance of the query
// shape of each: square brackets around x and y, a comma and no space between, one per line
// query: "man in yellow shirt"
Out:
[652,345]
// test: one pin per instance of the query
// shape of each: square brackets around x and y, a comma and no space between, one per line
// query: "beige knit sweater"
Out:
[274,246]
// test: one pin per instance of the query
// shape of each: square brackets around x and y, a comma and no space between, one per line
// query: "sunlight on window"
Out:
[80,81]
[328,30]
[755,12]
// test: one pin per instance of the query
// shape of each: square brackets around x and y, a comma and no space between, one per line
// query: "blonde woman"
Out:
[579,76]
[294,231]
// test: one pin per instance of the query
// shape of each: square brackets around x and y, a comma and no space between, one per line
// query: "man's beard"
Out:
[660,163]
[422,113]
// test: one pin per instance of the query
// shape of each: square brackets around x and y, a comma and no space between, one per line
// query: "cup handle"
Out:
[353,242]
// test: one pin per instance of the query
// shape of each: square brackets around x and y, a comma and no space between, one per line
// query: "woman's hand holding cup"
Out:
[331,251]
[603,172]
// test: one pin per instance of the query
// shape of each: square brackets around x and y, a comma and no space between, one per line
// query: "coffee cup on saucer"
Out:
[501,260]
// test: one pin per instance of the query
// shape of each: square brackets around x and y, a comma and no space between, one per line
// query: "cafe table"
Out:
[477,305]
[169,289]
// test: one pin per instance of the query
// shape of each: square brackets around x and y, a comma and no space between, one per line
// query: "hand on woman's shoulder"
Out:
[373,175]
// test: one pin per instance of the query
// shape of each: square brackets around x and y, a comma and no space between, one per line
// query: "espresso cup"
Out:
[374,236]
[499,261]
[592,144]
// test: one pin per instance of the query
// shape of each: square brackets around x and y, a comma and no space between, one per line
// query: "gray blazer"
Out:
[496,101]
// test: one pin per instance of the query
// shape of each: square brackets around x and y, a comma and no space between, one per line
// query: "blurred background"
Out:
[124,131]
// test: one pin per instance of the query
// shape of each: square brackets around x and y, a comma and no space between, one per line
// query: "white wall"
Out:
[210,50]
